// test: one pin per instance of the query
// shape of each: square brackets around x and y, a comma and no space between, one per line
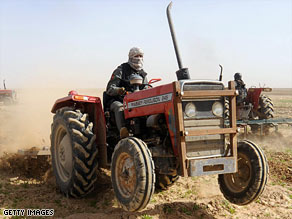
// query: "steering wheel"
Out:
[154,80]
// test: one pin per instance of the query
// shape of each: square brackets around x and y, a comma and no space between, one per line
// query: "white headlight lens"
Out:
[190,110]
[217,109]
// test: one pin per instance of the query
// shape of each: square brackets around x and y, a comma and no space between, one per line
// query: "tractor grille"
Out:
[203,146]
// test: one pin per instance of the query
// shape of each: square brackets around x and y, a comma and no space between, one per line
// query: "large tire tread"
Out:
[266,171]
[145,172]
[150,170]
[84,152]
[266,107]
[259,176]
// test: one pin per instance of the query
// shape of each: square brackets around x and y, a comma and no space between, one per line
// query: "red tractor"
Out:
[255,106]
[7,96]
[255,110]
[262,105]
[176,129]
[251,104]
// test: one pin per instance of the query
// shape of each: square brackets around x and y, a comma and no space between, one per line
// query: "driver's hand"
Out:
[121,91]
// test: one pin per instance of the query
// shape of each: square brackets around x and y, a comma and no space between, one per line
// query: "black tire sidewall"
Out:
[258,180]
[144,169]
[116,154]
[263,115]
[254,162]
[84,152]
[64,186]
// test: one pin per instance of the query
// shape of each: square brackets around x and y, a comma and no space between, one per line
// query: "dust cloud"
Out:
[275,141]
[27,123]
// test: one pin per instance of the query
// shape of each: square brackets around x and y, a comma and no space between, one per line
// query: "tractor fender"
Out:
[71,100]
[93,107]
[253,95]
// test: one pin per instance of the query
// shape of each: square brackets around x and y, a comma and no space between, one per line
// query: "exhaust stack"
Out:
[182,73]
[220,77]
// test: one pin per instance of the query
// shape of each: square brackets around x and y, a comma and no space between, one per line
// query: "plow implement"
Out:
[263,125]
[35,151]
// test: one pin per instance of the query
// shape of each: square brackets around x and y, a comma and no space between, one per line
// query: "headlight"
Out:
[190,110]
[217,109]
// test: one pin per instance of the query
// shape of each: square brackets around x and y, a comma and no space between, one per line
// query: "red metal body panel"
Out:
[172,127]
[158,100]
[253,96]
[143,106]
[92,106]
[70,99]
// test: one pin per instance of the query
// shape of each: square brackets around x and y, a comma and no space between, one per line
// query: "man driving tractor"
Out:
[119,84]
[240,86]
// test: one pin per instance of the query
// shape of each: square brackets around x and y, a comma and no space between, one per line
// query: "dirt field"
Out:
[24,184]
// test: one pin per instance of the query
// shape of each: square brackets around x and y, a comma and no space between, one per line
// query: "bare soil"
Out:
[28,182]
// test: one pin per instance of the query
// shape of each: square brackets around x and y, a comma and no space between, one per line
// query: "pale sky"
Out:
[78,43]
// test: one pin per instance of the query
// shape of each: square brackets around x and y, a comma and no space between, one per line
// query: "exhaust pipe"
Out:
[182,73]
[220,76]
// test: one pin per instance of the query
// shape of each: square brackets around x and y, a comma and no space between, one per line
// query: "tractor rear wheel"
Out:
[74,152]
[132,173]
[248,183]
[266,107]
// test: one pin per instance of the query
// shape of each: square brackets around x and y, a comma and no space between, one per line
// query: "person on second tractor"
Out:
[119,84]
[240,86]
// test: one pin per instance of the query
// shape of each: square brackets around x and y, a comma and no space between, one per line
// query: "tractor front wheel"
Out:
[248,183]
[74,152]
[132,172]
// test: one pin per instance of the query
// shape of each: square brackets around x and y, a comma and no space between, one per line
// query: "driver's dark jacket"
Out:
[121,78]
[240,86]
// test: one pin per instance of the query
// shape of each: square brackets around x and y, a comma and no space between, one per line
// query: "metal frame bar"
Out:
[210,132]
[265,121]
[198,166]
[233,124]
[181,133]
[181,142]
[184,82]
[210,93]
